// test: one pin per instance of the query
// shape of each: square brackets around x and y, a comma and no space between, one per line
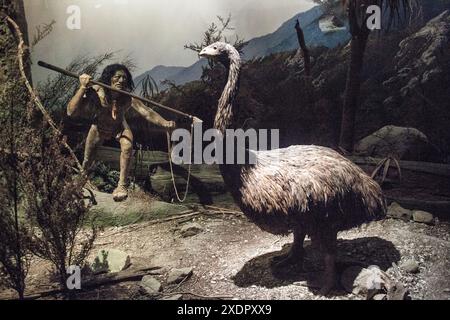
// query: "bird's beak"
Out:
[202,53]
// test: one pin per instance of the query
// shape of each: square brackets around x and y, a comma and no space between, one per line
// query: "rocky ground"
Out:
[230,257]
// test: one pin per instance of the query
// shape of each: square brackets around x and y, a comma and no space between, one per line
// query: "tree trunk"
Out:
[353,84]
[8,64]
[307,62]
[12,91]
[302,43]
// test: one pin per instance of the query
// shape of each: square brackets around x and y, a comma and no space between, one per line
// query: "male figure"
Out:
[109,122]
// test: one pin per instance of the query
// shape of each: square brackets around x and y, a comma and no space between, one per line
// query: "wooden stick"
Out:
[197,295]
[73,75]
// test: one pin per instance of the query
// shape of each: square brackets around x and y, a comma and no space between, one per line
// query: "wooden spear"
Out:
[73,75]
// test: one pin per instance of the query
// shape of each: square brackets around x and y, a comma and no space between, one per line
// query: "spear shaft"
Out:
[73,75]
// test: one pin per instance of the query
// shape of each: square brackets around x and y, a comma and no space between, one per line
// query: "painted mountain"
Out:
[319,29]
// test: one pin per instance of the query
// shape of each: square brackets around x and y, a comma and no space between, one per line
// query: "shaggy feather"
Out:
[307,185]
[311,188]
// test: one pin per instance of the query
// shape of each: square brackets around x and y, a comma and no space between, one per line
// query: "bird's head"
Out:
[222,52]
[215,50]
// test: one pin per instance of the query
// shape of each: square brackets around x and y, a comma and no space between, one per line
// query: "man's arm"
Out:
[75,104]
[150,115]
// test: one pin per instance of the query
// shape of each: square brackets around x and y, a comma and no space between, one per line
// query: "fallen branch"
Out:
[196,295]
[223,210]
[149,223]
[101,280]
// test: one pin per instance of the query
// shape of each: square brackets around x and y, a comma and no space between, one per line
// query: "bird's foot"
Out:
[328,285]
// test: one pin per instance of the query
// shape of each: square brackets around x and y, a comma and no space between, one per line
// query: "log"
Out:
[101,280]
[439,208]
[439,169]
[111,156]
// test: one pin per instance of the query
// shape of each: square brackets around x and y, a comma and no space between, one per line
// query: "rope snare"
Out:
[169,147]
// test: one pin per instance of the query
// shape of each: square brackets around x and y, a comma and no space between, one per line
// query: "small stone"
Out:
[447,290]
[110,260]
[379,296]
[364,281]
[190,229]
[178,275]
[410,266]
[398,292]
[423,217]
[150,285]
[174,297]
[398,212]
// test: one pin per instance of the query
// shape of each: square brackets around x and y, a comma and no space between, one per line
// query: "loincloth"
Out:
[108,134]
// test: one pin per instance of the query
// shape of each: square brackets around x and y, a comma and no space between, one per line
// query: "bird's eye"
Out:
[215,48]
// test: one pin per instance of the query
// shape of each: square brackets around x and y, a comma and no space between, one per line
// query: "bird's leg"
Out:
[296,253]
[329,244]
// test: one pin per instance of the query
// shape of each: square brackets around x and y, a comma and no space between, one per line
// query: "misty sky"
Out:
[153,32]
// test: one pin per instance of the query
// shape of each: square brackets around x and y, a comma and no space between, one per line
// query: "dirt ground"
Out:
[231,258]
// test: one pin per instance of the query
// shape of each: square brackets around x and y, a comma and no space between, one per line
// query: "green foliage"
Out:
[148,86]
[215,33]
[55,205]
[104,178]
[42,31]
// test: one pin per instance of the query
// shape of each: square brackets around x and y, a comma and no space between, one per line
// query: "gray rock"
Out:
[410,266]
[190,229]
[348,277]
[174,297]
[369,282]
[178,275]
[398,212]
[398,292]
[411,86]
[150,285]
[428,43]
[423,217]
[431,75]
[110,260]
[330,24]
[379,296]
[400,142]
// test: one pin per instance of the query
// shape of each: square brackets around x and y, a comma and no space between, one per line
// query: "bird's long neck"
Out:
[224,115]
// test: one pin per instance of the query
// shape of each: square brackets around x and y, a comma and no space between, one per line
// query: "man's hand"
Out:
[169,125]
[84,80]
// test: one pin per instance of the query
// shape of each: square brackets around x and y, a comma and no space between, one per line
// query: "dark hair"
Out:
[111,70]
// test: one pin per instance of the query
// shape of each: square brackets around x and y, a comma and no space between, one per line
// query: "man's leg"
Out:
[126,146]
[93,141]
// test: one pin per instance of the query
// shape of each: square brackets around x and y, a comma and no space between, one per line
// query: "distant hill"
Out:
[319,30]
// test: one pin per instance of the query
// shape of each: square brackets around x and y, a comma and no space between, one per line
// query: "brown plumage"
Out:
[307,190]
